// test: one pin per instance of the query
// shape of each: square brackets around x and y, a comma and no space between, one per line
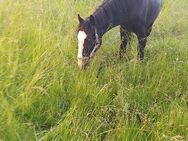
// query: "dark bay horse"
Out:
[135,16]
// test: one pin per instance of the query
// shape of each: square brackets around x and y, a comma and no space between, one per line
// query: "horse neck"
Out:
[105,18]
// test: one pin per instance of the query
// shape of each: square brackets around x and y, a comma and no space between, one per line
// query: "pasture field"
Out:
[44,96]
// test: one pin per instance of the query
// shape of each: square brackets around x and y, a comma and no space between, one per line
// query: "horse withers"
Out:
[135,16]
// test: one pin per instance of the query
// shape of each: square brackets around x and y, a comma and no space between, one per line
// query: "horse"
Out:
[132,16]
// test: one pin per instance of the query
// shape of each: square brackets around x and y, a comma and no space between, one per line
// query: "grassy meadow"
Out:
[44,96]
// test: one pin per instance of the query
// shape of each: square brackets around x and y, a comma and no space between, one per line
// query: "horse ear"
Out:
[92,20]
[80,19]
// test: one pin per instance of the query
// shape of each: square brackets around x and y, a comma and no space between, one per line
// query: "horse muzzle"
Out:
[82,62]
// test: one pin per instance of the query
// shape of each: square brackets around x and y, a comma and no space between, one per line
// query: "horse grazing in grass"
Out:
[135,16]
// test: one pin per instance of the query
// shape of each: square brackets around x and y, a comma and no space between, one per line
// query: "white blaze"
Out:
[81,37]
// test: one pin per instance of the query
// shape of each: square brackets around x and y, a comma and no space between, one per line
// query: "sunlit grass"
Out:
[44,96]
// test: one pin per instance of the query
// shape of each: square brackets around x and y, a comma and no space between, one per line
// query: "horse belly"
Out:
[153,11]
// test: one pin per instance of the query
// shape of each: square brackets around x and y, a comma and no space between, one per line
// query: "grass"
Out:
[44,96]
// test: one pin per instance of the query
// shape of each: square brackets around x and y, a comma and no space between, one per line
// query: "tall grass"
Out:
[44,96]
